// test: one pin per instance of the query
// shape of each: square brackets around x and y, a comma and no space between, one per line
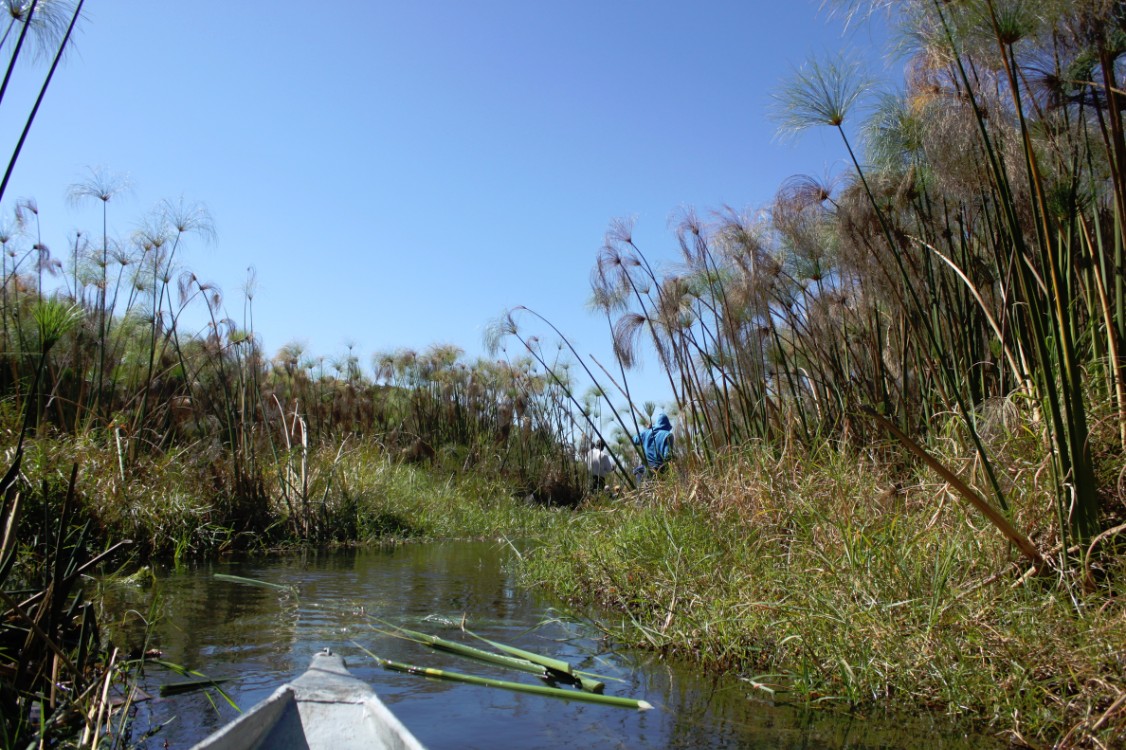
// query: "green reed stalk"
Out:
[823,96]
[511,329]
[1051,318]
[578,695]
[42,90]
[522,661]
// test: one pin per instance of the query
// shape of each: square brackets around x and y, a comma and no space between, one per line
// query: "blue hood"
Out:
[656,442]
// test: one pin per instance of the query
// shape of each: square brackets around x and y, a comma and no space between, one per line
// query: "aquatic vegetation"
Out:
[54,664]
[958,291]
[848,585]
[946,315]
[521,687]
[549,669]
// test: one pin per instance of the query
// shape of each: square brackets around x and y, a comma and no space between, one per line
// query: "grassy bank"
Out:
[178,506]
[824,580]
[818,576]
[961,285]
[76,512]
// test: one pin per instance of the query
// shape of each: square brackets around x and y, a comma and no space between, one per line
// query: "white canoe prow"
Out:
[324,709]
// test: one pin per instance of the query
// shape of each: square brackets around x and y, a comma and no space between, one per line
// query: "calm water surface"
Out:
[260,638]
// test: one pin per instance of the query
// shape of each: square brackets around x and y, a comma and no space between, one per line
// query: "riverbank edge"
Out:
[821,579]
[826,581]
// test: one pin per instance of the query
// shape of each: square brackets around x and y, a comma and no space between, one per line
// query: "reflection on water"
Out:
[262,637]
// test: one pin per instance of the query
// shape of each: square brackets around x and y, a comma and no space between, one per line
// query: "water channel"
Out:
[260,638]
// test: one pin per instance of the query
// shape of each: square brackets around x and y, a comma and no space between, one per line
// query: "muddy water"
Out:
[258,638]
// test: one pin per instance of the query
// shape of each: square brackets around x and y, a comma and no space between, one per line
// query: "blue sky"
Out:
[399,173]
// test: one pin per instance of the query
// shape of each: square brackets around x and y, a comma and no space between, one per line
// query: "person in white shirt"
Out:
[600,464]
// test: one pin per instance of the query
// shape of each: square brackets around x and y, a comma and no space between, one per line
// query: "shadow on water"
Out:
[262,637]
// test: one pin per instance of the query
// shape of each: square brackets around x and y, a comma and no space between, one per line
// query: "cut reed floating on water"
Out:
[558,667]
[555,665]
[537,665]
[203,682]
[470,652]
[578,695]
[176,688]
[252,582]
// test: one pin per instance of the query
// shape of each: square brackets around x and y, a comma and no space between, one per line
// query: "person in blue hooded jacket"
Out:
[656,442]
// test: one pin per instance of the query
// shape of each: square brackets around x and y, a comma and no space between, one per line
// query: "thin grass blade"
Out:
[253,582]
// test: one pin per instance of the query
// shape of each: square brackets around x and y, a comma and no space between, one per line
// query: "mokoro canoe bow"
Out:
[326,708]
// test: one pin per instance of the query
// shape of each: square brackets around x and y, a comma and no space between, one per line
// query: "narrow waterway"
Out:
[258,638]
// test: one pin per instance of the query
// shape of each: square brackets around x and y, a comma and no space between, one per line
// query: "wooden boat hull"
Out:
[326,708]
